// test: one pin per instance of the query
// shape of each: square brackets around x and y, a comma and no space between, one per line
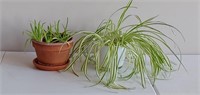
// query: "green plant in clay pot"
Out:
[51,45]
[111,44]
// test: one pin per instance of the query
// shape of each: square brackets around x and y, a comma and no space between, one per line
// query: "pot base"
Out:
[48,67]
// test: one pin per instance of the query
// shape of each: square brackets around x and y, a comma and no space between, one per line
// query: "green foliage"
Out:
[50,35]
[139,40]
[37,30]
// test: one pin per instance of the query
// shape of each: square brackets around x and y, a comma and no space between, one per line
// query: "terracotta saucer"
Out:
[48,67]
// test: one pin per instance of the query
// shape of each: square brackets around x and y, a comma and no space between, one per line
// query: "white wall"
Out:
[0,25]
[87,14]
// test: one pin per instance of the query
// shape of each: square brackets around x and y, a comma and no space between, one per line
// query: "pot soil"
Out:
[51,55]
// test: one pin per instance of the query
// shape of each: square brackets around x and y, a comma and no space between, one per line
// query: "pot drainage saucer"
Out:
[48,67]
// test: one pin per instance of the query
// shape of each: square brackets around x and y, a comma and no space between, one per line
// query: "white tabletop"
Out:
[18,76]
[183,82]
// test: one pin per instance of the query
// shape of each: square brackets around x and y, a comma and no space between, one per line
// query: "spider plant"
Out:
[140,40]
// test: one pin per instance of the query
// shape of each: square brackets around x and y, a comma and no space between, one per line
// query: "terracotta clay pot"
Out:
[52,54]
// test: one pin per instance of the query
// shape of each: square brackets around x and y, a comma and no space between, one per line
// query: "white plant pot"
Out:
[121,55]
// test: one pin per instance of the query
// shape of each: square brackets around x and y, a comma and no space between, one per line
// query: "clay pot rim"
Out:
[50,44]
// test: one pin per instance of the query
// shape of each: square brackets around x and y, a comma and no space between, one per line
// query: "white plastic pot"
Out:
[121,55]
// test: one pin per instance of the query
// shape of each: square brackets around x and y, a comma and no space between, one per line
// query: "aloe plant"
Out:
[37,30]
[140,40]
[52,34]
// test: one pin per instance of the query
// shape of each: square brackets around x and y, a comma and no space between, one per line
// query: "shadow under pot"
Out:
[52,56]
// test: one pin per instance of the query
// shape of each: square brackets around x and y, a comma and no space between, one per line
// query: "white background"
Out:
[87,14]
